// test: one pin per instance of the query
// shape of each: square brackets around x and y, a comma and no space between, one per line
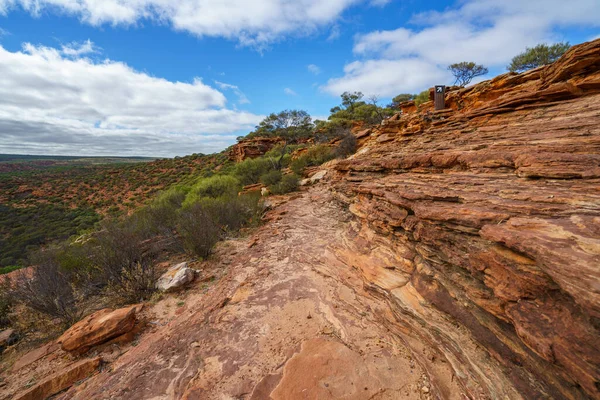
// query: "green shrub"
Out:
[6,304]
[249,171]
[422,97]
[11,268]
[271,177]
[346,147]
[315,155]
[213,187]
[122,263]
[198,231]
[160,217]
[289,183]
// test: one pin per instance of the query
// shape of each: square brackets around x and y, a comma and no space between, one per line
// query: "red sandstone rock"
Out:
[98,328]
[61,380]
[34,355]
[252,148]
[499,200]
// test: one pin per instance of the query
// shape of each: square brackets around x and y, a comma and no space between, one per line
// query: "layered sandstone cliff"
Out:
[493,206]
[252,148]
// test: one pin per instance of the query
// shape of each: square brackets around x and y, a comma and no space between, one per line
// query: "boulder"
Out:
[98,328]
[176,278]
[313,179]
[61,380]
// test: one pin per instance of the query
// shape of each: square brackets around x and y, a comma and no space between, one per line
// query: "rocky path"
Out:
[293,318]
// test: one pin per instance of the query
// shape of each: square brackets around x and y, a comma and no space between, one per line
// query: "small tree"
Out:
[422,97]
[537,56]
[400,99]
[290,125]
[465,71]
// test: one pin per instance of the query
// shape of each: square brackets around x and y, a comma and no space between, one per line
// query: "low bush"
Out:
[215,186]
[6,270]
[271,178]
[50,291]
[422,97]
[198,231]
[316,155]
[289,183]
[249,171]
[346,147]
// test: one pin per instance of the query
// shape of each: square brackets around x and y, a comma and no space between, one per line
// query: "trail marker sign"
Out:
[438,98]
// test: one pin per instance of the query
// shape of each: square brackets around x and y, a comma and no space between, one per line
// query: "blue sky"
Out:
[175,77]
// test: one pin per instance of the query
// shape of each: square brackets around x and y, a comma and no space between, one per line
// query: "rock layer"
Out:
[494,207]
[252,148]
[61,380]
[98,328]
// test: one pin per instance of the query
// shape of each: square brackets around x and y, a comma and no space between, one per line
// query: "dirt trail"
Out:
[291,319]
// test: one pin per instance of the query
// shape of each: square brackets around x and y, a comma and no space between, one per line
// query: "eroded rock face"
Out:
[252,148]
[494,205]
[98,328]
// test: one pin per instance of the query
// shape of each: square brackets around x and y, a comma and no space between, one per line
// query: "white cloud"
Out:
[242,99]
[54,103]
[4,32]
[75,49]
[255,24]
[489,32]
[314,69]
[384,77]
[289,92]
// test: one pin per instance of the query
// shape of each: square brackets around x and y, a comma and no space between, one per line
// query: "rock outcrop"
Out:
[98,328]
[252,148]
[494,208]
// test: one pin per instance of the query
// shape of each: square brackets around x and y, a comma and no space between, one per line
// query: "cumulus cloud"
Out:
[52,101]
[314,69]
[289,92]
[384,77]
[485,31]
[255,23]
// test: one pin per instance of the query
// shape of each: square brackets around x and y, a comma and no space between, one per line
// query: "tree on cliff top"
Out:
[465,71]
[401,98]
[537,56]
[289,125]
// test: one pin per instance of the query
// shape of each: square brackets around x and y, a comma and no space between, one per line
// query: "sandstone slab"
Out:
[98,328]
[61,380]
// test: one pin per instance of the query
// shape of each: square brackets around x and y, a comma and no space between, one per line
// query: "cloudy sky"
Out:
[175,77]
